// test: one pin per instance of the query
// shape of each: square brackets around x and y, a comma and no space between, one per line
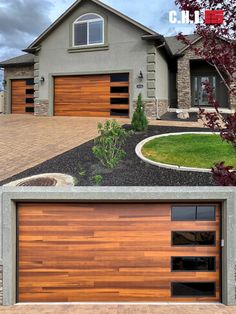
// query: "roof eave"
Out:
[9,65]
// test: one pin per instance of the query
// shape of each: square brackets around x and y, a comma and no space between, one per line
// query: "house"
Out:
[94,61]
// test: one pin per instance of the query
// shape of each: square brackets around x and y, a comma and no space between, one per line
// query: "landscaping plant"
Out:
[139,121]
[109,145]
[218,49]
[97,179]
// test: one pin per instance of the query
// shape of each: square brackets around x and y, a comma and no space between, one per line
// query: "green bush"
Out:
[139,121]
[108,146]
[97,179]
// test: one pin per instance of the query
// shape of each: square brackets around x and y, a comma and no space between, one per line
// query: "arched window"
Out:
[88,30]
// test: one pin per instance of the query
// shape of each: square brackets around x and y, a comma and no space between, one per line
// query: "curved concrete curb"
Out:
[62,179]
[139,147]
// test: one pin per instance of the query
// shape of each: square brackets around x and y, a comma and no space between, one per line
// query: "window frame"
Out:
[98,19]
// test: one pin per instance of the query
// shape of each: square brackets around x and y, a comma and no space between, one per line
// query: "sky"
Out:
[22,21]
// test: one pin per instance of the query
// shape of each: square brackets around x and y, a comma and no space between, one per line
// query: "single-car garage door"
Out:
[22,96]
[118,252]
[92,95]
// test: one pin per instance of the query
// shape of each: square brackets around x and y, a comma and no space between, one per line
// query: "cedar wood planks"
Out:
[104,252]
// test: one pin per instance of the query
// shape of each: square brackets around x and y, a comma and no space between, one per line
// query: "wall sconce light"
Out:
[4,82]
[140,77]
[42,80]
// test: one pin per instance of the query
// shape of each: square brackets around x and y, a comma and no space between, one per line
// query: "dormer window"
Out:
[88,30]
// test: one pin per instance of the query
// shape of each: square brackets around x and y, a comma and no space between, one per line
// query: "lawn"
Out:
[190,150]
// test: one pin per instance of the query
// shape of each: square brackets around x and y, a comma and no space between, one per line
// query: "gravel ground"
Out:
[82,164]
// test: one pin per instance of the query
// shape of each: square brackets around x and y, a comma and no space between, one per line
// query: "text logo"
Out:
[212,17]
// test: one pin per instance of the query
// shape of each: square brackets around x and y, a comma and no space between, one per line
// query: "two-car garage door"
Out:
[92,95]
[118,252]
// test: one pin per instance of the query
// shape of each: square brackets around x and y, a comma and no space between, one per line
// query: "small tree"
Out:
[139,121]
[109,145]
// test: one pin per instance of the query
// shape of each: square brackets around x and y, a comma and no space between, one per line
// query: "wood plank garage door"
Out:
[92,95]
[118,252]
[22,96]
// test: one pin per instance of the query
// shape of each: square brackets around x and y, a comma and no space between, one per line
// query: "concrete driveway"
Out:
[26,141]
[118,309]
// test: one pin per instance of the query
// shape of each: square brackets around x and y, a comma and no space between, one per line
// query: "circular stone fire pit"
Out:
[47,179]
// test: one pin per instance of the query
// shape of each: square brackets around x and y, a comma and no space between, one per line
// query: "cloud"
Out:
[20,22]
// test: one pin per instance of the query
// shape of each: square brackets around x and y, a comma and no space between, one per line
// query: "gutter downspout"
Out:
[156,99]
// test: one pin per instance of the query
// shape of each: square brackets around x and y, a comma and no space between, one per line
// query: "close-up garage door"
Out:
[118,252]
[92,95]
[22,96]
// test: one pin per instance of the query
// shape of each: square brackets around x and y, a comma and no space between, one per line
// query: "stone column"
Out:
[184,83]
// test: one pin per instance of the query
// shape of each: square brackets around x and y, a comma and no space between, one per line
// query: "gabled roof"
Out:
[37,42]
[177,46]
[26,59]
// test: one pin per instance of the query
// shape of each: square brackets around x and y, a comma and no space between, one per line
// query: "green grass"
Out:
[190,150]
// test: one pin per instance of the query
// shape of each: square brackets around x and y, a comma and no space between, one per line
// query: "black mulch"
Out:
[172,116]
[81,163]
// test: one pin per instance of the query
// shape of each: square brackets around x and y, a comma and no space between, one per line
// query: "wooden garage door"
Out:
[118,252]
[22,96]
[92,95]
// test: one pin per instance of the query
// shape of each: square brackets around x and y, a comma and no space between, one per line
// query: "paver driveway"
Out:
[118,309]
[26,141]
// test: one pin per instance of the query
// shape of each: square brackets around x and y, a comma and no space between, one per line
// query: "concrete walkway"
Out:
[26,141]
[118,309]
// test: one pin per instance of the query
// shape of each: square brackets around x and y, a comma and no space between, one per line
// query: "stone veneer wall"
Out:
[1,285]
[16,72]
[184,80]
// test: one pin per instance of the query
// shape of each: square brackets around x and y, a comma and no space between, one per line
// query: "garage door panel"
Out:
[19,96]
[86,95]
[105,252]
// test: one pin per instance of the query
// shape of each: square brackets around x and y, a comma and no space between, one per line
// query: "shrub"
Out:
[108,146]
[97,179]
[139,121]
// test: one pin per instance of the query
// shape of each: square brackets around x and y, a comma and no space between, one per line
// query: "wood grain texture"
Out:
[104,252]
[86,95]
[18,96]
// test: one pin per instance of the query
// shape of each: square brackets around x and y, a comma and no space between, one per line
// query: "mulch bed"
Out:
[82,164]
[172,116]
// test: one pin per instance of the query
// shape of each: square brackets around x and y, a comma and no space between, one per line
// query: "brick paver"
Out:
[118,309]
[26,141]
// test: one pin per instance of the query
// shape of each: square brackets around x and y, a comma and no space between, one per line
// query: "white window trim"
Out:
[100,18]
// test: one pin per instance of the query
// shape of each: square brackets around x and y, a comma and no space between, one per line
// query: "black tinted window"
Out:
[188,238]
[120,77]
[182,213]
[29,100]
[187,263]
[192,213]
[29,82]
[192,289]
[120,89]
[206,213]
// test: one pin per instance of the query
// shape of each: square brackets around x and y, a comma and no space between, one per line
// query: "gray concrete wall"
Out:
[227,196]
[125,51]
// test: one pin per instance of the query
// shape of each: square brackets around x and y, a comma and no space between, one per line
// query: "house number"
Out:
[140,86]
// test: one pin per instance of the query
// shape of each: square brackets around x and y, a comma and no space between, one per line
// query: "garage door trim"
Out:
[227,196]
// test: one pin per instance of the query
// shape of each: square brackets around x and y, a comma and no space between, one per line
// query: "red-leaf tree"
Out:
[218,49]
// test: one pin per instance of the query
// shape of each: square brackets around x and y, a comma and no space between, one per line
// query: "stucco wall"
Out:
[162,77]
[126,52]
